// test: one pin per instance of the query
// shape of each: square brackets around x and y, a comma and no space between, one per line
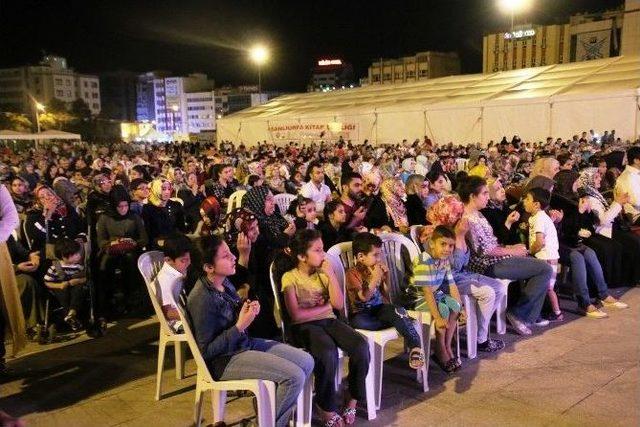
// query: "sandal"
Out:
[416,358]
[335,421]
[349,415]
[447,366]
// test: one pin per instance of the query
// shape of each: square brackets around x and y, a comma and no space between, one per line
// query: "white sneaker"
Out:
[615,304]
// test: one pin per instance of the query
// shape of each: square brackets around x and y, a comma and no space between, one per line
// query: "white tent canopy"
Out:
[555,100]
[46,135]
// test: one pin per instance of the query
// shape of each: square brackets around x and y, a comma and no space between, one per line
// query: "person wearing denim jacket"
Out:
[220,319]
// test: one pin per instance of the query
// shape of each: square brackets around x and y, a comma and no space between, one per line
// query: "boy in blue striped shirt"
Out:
[433,274]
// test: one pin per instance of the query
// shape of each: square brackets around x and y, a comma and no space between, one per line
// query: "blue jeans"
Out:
[385,316]
[287,366]
[536,272]
[584,265]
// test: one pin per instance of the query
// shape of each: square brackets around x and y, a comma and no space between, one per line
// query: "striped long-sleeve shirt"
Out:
[434,273]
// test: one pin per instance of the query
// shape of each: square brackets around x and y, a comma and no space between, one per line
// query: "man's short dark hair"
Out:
[540,195]
[364,242]
[176,246]
[135,183]
[442,231]
[66,247]
[632,154]
[346,180]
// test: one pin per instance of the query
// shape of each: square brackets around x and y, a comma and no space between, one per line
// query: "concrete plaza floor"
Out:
[580,372]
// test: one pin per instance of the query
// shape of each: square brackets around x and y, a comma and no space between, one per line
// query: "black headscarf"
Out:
[119,194]
[564,184]
[254,200]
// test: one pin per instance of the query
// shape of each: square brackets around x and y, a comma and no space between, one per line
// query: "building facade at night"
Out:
[422,66]
[22,87]
[184,104]
[331,74]
[583,38]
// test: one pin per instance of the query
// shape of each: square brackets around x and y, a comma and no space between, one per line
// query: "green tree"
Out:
[15,121]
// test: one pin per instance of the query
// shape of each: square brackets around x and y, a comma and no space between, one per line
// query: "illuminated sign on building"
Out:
[520,34]
[324,62]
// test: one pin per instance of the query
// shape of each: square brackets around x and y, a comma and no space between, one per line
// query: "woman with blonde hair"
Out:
[417,189]
[392,191]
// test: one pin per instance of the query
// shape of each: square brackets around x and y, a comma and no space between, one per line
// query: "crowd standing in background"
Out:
[74,218]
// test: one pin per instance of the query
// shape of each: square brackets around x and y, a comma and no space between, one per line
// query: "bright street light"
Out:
[175,108]
[40,106]
[514,6]
[259,55]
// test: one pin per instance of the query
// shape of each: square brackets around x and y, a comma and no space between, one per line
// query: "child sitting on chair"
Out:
[432,272]
[369,303]
[65,278]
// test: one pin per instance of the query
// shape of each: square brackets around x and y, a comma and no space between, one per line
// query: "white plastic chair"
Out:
[235,200]
[462,164]
[265,391]
[344,253]
[415,236]
[149,263]
[283,201]
[304,404]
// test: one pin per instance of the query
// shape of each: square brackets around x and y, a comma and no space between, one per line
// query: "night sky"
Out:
[209,36]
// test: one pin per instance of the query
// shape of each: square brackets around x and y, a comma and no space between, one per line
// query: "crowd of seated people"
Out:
[76,217]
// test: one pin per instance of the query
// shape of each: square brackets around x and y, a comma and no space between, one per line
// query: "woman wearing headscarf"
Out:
[121,237]
[607,214]
[417,189]
[19,191]
[162,216]
[579,223]
[377,217]
[67,191]
[408,168]
[276,229]
[210,210]
[50,221]
[392,191]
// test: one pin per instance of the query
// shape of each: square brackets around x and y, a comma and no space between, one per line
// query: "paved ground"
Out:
[582,372]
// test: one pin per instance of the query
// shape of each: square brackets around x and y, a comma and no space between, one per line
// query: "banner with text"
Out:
[313,131]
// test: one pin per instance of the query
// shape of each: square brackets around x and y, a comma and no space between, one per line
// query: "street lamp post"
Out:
[259,55]
[39,107]
[513,6]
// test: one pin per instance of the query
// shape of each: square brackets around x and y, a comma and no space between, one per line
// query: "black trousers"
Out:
[322,338]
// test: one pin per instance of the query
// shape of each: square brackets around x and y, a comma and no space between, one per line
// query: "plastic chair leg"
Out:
[198,405]
[471,327]
[378,359]
[304,404]
[179,352]
[162,346]
[266,396]
[218,401]
[371,388]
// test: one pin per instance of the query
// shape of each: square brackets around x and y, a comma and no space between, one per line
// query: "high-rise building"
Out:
[585,37]
[421,66]
[22,87]
[118,90]
[145,96]
[331,74]
[184,104]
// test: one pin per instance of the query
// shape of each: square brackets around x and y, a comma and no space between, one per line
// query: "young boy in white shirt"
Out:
[170,278]
[543,242]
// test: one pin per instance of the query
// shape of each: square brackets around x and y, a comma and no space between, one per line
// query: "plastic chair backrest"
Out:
[344,252]
[392,250]
[277,302]
[283,201]
[414,233]
[235,200]
[339,271]
[191,340]
[149,263]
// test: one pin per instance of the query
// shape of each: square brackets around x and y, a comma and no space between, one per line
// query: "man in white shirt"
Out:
[629,182]
[170,278]
[316,189]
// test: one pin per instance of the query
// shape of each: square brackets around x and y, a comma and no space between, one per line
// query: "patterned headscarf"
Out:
[447,211]
[395,206]
[61,208]
[235,222]
[254,200]
[587,183]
